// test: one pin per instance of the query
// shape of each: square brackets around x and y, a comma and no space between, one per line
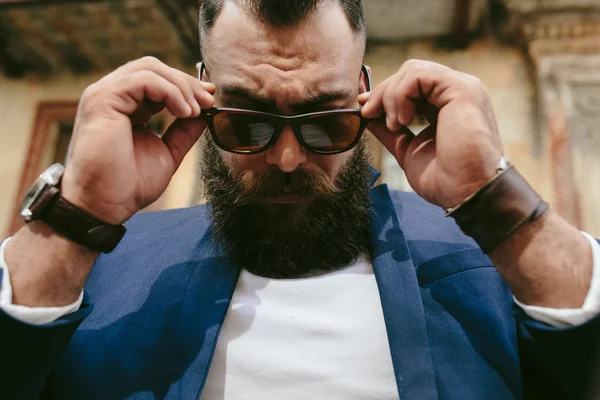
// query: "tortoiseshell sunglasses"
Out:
[242,131]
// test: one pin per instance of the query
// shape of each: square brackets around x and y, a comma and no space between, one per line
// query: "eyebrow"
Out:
[310,103]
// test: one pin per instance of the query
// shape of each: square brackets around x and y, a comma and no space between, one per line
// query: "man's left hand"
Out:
[460,150]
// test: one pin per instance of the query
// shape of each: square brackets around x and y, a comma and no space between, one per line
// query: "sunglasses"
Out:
[241,131]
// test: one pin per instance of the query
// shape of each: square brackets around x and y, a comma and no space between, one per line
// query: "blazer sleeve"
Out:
[566,361]
[29,353]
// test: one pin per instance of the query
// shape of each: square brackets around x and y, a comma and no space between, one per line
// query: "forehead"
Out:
[322,54]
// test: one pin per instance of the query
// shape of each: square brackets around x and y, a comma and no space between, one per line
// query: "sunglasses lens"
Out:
[242,133]
[331,133]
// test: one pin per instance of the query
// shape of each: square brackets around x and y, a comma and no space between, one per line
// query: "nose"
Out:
[287,153]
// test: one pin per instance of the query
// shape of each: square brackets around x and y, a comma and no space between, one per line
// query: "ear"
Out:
[202,72]
[365,80]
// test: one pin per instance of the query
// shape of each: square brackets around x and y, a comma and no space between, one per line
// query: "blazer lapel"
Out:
[401,301]
[203,311]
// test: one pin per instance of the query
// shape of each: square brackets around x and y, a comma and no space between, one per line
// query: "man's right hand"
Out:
[116,165]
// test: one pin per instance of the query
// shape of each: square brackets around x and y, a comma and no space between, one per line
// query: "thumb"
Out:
[181,137]
[395,142]
[363,98]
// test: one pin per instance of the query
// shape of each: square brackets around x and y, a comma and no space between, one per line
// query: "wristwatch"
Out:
[43,202]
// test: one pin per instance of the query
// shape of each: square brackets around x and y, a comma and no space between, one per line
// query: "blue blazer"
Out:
[153,310]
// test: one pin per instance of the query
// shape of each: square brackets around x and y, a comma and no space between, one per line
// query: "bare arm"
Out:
[547,263]
[46,269]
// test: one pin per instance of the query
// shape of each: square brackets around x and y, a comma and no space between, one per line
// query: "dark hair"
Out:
[280,13]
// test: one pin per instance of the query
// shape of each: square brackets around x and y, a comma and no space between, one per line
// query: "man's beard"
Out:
[286,241]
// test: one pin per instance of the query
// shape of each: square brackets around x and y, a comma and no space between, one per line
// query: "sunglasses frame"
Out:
[281,121]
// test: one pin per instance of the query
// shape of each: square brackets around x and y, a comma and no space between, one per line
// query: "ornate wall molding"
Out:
[569,86]
[562,38]
[563,34]
[530,6]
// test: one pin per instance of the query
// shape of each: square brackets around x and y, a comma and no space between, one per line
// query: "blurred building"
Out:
[540,60]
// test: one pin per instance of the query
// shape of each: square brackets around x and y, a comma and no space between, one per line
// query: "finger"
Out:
[173,75]
[209,87]
[422,149]
[374,107]
[417,108]
[363,98]
[142,85]
[197,93]
[425,81]
[181,136]
[155,107]
[407,107]
[206,96]
[390,104]
[426,135]
[430,112]
[142,115]
[397,143]
[204,93]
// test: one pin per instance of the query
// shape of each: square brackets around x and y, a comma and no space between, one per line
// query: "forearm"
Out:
[46,269]
[546,263]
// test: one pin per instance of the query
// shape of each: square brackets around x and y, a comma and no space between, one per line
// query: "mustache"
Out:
[275,183]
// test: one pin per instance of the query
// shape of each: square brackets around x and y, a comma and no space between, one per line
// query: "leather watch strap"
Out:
[497,210]
[79,226]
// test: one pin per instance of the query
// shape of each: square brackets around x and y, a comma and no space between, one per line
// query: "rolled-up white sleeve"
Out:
[559,318]
[30,315]
[568,317]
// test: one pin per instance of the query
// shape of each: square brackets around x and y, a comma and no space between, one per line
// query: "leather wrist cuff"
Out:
[498,209]
[79,226]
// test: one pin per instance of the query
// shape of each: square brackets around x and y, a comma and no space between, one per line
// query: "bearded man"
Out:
[300,278]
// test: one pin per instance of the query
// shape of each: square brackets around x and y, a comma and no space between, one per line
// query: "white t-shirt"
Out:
[315,338]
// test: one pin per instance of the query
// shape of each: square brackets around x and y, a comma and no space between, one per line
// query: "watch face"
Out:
[50,177]
[30,198]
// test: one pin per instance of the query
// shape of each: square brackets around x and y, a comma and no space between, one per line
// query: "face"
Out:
[287,213]
[289,71]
